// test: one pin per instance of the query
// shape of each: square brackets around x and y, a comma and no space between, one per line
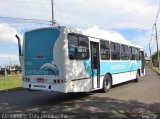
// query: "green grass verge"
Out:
[156,69]
[10,82]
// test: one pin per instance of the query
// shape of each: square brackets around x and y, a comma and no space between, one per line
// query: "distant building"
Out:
[148,61]
[10,70]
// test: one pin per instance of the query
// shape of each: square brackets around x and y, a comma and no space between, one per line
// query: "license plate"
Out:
[40,80]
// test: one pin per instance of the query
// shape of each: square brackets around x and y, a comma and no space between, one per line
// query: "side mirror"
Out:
[19,45]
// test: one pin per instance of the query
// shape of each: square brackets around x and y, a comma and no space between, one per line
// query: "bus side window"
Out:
[115,51]
[133,54]
[126,52]
[72,45]
[112,50]
[122,52]
[105,50]
[137,54]
[83,47]
[78,47]
[130,52]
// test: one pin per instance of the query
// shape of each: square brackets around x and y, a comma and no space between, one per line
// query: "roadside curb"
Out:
[13,89]
[155,71]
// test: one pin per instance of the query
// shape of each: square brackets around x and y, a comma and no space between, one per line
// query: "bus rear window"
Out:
[39,43]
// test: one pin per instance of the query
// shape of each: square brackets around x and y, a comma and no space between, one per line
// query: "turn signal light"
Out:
[58,81]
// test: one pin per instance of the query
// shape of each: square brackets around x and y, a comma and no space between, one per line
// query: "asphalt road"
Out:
[126,100]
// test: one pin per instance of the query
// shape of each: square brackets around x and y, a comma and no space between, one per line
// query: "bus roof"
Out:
[78,31]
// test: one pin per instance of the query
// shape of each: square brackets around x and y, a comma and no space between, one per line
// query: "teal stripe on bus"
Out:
[113,67]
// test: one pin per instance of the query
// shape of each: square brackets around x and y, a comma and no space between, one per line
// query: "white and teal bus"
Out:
[65,60]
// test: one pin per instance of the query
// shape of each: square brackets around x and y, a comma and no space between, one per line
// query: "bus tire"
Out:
[107,83]
[137,76]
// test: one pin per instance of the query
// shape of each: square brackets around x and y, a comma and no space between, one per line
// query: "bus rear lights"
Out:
[58,81]
[55,81]
[26,79]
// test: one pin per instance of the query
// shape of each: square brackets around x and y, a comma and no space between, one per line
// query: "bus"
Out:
[65,60]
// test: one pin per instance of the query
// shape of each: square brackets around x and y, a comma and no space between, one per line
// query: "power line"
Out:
[25,19]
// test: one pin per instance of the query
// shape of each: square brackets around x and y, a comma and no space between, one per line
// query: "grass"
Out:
[156,69]
[10,82]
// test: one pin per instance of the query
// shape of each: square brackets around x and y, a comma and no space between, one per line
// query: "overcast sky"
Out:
[130,20]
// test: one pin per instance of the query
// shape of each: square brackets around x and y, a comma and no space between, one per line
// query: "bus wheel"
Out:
[137,77]
[107,83]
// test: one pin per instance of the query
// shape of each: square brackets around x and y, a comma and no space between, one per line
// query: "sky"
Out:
[128,20]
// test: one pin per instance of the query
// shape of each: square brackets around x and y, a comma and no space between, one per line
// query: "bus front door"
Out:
[95,65]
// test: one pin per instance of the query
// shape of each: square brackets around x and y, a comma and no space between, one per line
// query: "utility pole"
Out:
[157,46]
[150,53]
[5,72]
[53,20]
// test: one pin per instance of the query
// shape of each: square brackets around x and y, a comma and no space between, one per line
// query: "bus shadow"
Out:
[82,105]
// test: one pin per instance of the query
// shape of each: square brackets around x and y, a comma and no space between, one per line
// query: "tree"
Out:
[154,59]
